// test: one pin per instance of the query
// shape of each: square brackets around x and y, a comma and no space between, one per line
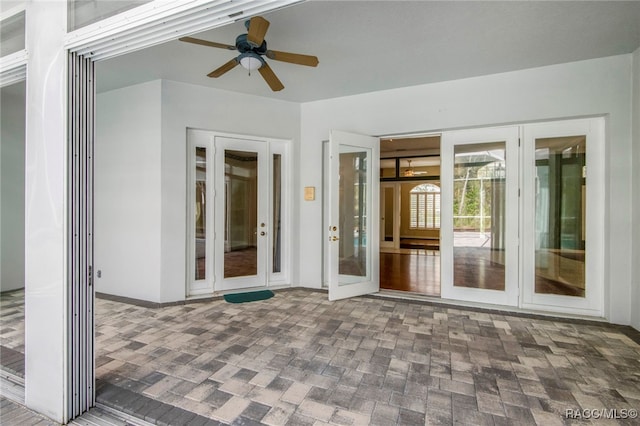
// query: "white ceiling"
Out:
[366,46]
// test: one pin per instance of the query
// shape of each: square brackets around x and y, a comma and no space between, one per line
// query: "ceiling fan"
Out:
[253,47]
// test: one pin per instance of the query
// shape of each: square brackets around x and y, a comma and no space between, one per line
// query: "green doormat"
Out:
[250,296]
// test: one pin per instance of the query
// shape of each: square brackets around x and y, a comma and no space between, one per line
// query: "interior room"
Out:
[410,214]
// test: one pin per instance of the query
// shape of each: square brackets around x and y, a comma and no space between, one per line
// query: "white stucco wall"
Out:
[12,169]
[594,87]
[127,192]
[141,177]
[635,299]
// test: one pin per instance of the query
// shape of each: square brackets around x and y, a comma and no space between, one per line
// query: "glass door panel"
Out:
[355,252]
[560,215]
[479,182]
[241,212]
[353,230]
[276,215]
[200,206]
[563,216]
[241,219]
[479,215]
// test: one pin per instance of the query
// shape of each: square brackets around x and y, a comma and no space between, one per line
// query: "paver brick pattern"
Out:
[298,359]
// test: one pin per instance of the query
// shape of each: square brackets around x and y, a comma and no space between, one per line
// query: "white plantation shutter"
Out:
[424,207]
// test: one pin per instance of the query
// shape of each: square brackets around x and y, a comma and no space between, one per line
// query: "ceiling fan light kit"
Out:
[252,47]
[250,61]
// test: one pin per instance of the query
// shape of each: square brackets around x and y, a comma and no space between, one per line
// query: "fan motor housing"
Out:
[243,45]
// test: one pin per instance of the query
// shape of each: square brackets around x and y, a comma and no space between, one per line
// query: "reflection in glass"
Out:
[353,251]
[241,213]
[479,215]
[277,212]
[560,215]
[200,212]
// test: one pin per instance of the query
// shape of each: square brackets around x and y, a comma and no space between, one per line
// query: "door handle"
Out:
[263,233]
[334,238]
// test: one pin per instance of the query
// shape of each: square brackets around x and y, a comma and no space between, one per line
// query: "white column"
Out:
[46,215]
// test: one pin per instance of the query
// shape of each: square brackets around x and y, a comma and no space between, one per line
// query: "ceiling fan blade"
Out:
[207,43]
[224,68]
[258,27]
[270,77]
[293,58]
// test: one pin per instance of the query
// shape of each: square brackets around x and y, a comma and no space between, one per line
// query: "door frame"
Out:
[273,146]
[395,244]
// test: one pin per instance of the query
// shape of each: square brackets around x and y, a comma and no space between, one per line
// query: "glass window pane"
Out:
[12,32]
[241,214]
[560,215]
[479,215]
[277,212]
[84,12]
[353,250]
[200,213]
[420,166]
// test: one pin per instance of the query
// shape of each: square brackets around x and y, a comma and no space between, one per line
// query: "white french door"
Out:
[238,213]
[479,222]
[563,216]
[352,225]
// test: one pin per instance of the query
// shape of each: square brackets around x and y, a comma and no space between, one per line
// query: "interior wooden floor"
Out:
[418,271]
